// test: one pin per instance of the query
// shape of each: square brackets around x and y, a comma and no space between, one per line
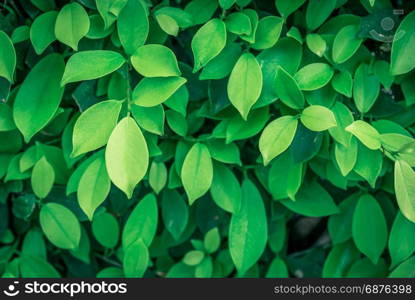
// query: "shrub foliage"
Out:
[207,138]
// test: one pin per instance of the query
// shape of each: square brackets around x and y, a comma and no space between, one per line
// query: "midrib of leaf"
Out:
[62,229]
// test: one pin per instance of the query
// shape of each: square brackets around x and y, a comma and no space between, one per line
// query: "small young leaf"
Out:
[43,177]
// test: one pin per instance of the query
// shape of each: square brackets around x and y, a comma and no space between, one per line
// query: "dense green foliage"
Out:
[207,138]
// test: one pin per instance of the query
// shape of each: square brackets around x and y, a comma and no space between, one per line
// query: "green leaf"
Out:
[318,11]
[43,177]
[222,65]
[72,24]
[405,269]
[400,247]
[287,7]
[318,118]
[368,135]
[168,24]
[133,26]
[226,4]
[404,189]
[366,88]
[60,226]
[339,260]
[142,222]
[277,269]
[369,164]
[157,176]
[42,32]
[94,126]
[346,43]
[6,118]
[314,76]
[175,213]
[285,177]
[369,233]
[343,83]
[193,258]
[268,32]
[288,90]
[150,119]
[136,259]
[37,267]
[245,84]
[110,10]
[277,137]
[402,57]
[316,44]
[212,240]
[238,23]
[155,61]
[197,172]
[7,57]
[106,230]
[340,225]
[88,65]
[248,229]
[307,204]
[126,156]
[153,91]
[346,156]
[208,42]
[201,10]
[225,189]
[94,186]
[344,118]
[35,105]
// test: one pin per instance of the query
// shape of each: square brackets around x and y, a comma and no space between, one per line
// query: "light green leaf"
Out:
[366,88]
[318,118]
[197,172]
[60,226]
[72,24]
[248,229]
[346,43]
[268,32]
[94,187]
[314,76]
[405,189]
[157,177]
[225,189]
[245,84]
[277,137]
[238,23]
[126,156]
[35,105]
[93,64]
[316,44]
[153,91]
[43,177]
[155,61]
[136,259]
[368,135]
[110,10]
[94,126]
[346,156]
[208,42]
[150,119]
